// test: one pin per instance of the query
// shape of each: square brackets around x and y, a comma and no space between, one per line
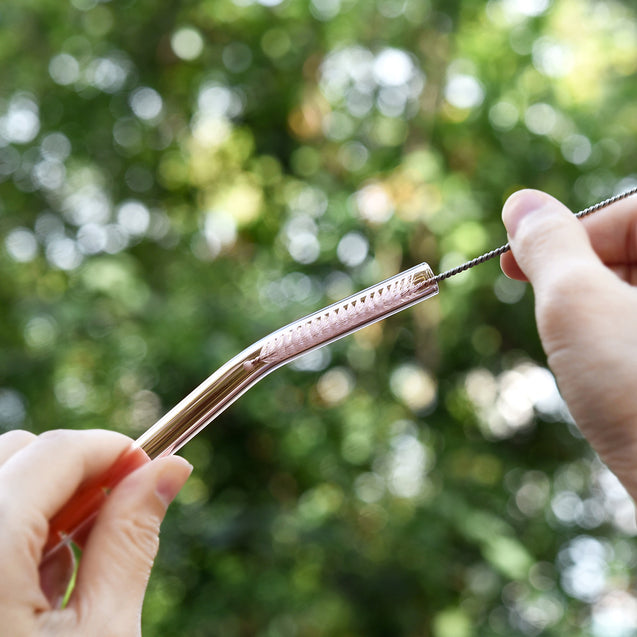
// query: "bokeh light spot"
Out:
[21,245]
[335,385]
[352,249]
[415,386]
[12,409]
[64,69]
[187,43]
[21,122]
[464,91]
[146,103]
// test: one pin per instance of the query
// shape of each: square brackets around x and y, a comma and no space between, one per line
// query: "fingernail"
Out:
[172,478]
[518,206]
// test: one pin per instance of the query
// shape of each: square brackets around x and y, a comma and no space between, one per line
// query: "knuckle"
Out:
[566,294]
[18,437]
[556,296]
[55,436]
[34,536]
[91,620]
[116,629]
[23,530]
[141,533]
[564,317]
[539,229]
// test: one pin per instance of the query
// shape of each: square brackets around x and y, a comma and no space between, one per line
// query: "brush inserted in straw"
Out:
[347,315]
[229,382]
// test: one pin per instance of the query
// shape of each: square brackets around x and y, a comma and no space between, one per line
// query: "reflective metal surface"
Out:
[231,380]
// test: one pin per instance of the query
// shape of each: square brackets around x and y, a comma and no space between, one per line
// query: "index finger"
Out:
[38,479]
[12,441]
[613,232]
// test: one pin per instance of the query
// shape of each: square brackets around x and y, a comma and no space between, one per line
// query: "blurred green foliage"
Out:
[179,179]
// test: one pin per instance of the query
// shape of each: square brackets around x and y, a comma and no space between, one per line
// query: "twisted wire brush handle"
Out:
[506,247]
[240,373]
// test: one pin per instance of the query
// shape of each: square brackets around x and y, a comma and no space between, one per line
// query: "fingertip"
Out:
[510,267]
[139,501]
[123,542]
[544,236]
[519,205]
[171,477]
[14,441]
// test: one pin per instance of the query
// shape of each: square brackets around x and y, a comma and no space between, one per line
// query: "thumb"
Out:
[544,236]
[120,550]
[552,249]
[585,318]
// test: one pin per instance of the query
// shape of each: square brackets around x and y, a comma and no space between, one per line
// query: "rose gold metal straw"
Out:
[234,378]
[231,380]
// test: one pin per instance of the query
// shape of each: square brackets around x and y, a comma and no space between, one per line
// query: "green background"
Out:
[178,179]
